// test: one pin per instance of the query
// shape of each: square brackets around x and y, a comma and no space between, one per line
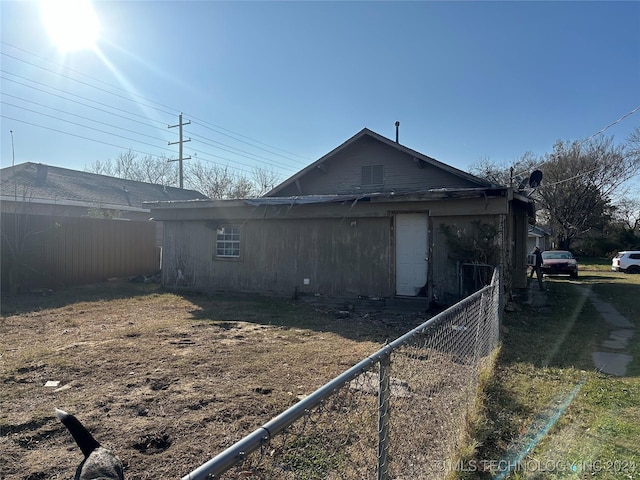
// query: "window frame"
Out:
[371,173]
[228,237]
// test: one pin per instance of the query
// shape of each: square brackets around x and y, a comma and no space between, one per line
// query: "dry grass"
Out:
[165,380]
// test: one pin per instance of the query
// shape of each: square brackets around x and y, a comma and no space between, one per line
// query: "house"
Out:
[64,227]
[538,237]
[39,189]
[370,218]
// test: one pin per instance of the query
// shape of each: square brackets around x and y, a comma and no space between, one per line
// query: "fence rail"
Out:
[400,413]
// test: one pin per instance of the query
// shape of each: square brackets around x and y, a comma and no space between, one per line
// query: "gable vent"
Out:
[372,175]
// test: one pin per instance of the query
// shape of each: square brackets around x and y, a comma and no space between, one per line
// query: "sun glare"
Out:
[71,24]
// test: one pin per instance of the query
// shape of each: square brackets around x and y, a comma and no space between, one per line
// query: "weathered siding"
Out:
[343,249]
[337,256]
[402,173]
[446,268]
[70,251]
[517,261]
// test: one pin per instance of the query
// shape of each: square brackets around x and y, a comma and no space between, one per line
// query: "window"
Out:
[228,242]
[372,175]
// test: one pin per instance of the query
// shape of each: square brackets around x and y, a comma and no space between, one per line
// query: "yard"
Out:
[165,380]
[547,407]
[168,380]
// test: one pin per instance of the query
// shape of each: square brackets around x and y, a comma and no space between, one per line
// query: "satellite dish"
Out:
[535,178]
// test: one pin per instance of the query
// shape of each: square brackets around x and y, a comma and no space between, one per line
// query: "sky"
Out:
[277,85]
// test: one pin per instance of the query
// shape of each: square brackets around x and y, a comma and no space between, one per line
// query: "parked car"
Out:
[628,262]
[559,262]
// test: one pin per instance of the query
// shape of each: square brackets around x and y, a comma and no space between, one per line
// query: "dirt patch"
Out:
[166,381]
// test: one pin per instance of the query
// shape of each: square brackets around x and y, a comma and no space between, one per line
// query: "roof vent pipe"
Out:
[397,131]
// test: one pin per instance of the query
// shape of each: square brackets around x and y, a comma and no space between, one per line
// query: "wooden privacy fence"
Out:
[45,251]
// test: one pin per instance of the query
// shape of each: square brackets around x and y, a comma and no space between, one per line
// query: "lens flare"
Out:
[71,24]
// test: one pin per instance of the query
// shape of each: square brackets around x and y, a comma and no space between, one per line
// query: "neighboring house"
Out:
[66,227]
[370,218]
[538,237]
[38,189]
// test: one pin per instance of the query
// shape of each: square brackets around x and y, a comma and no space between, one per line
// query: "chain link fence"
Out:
[400,414]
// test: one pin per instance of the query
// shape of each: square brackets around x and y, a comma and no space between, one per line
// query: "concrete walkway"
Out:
[613,356]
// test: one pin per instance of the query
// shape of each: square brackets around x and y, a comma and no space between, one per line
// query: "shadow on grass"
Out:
[33,302]
[359,324]
[562,334]
[364,323]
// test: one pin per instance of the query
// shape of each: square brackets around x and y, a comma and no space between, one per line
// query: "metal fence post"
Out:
[418,355]
[384,397]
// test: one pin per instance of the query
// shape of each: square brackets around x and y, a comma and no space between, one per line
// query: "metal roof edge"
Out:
[71,203]
[436,193]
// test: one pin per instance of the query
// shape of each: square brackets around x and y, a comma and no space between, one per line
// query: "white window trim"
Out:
[225,240]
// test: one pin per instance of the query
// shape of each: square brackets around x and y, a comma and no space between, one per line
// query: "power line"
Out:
[236,162]
[109,133]
[76,72]
[111,113]
[79,103]
[82,126]
[2,115]
[212,127]
[252,157]
[73,95]
[579,144]
[611,125]
[125,97]
[99,109]
[74,115]
[130,94]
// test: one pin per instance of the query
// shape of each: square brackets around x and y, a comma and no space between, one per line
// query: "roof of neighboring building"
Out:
[537,231]
[39,182]
[365,132]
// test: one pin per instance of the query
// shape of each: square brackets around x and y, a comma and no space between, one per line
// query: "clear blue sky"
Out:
[279,84]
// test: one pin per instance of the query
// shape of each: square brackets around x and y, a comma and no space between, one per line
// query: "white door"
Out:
[411,253]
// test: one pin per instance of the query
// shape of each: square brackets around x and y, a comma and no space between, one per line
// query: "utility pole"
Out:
[180,142]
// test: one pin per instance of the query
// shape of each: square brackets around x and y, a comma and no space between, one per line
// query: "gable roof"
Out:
[40,182]
[365,132]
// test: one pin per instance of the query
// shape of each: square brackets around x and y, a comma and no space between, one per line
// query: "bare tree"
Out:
[217,182]
[501,173]
[627,213]
[147,169]
[101,167]
[581,182]
[158,170]
[264,181]
[214,181]
[633,144]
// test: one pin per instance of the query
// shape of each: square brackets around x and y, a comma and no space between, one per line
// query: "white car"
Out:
[628,262]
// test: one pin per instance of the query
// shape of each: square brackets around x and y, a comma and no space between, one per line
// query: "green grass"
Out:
[594,263]
[546,405]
